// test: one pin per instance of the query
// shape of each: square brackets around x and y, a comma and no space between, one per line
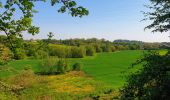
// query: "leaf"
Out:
[53,2]
[7,6]
[72,3]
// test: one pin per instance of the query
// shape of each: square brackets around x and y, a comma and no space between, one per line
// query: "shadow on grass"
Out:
[48,73]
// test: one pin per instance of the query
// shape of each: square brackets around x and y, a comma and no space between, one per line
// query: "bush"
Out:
[77,52]
[120,47]
[57,50]
[40,54]
[19,54]
[90,51]
[77,67]
[62,66]
[24,79]
[68,52]
[106,48]
[113,49]
[48,65]
[53,65]
[5,54]
[97,48]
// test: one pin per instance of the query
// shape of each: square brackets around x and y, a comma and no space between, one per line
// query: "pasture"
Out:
[108,68]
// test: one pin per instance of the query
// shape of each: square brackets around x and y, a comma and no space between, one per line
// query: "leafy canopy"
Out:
[159,15]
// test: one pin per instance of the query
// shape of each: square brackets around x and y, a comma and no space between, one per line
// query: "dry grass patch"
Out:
[72,82]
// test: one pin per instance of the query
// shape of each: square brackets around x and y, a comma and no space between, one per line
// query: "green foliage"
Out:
[13,28]
[77,67]
[3,39]
[40,54]
[152,81]
[57,50]
[106,47]
[90,51]
[5,54]
[53,65]
[62,66]
[72,7]
[159,15]
[113,48]
[19,54]
[77,52]
[97,48]
[106,67]
[120,47]
[24,79]
[48,66]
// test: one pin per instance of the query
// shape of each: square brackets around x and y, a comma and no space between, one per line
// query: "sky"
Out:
[108,19]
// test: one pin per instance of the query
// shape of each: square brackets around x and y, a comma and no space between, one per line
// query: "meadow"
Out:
[109,68]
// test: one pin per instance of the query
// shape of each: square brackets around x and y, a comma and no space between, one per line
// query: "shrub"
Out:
[40,54]
[57,50]
[5,54]
[106,48]
[113,49]
[53,65]
[48,65]
[24,79]
[77,67]
[120,47]
[30,48]
[60,66]
[19,54]
[97,48]
[68,52]
[77,52]
[90,51]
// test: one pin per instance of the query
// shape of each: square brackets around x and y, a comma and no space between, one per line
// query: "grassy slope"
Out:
[110,67]
[105,67]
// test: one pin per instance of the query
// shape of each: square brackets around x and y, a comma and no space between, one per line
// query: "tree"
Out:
[90,51]
[152,81]
[13,27]
[160,15]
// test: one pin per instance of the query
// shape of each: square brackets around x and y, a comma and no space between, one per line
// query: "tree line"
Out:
[70,48]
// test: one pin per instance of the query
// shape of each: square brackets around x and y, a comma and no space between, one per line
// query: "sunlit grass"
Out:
[163,52]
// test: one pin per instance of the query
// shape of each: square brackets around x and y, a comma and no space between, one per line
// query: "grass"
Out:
[74,84]
[104,74]
[163,52]
[109,68]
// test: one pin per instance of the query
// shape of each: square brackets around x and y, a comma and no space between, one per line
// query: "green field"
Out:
[110,68]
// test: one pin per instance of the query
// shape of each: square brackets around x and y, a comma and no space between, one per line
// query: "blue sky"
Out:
[109,19]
